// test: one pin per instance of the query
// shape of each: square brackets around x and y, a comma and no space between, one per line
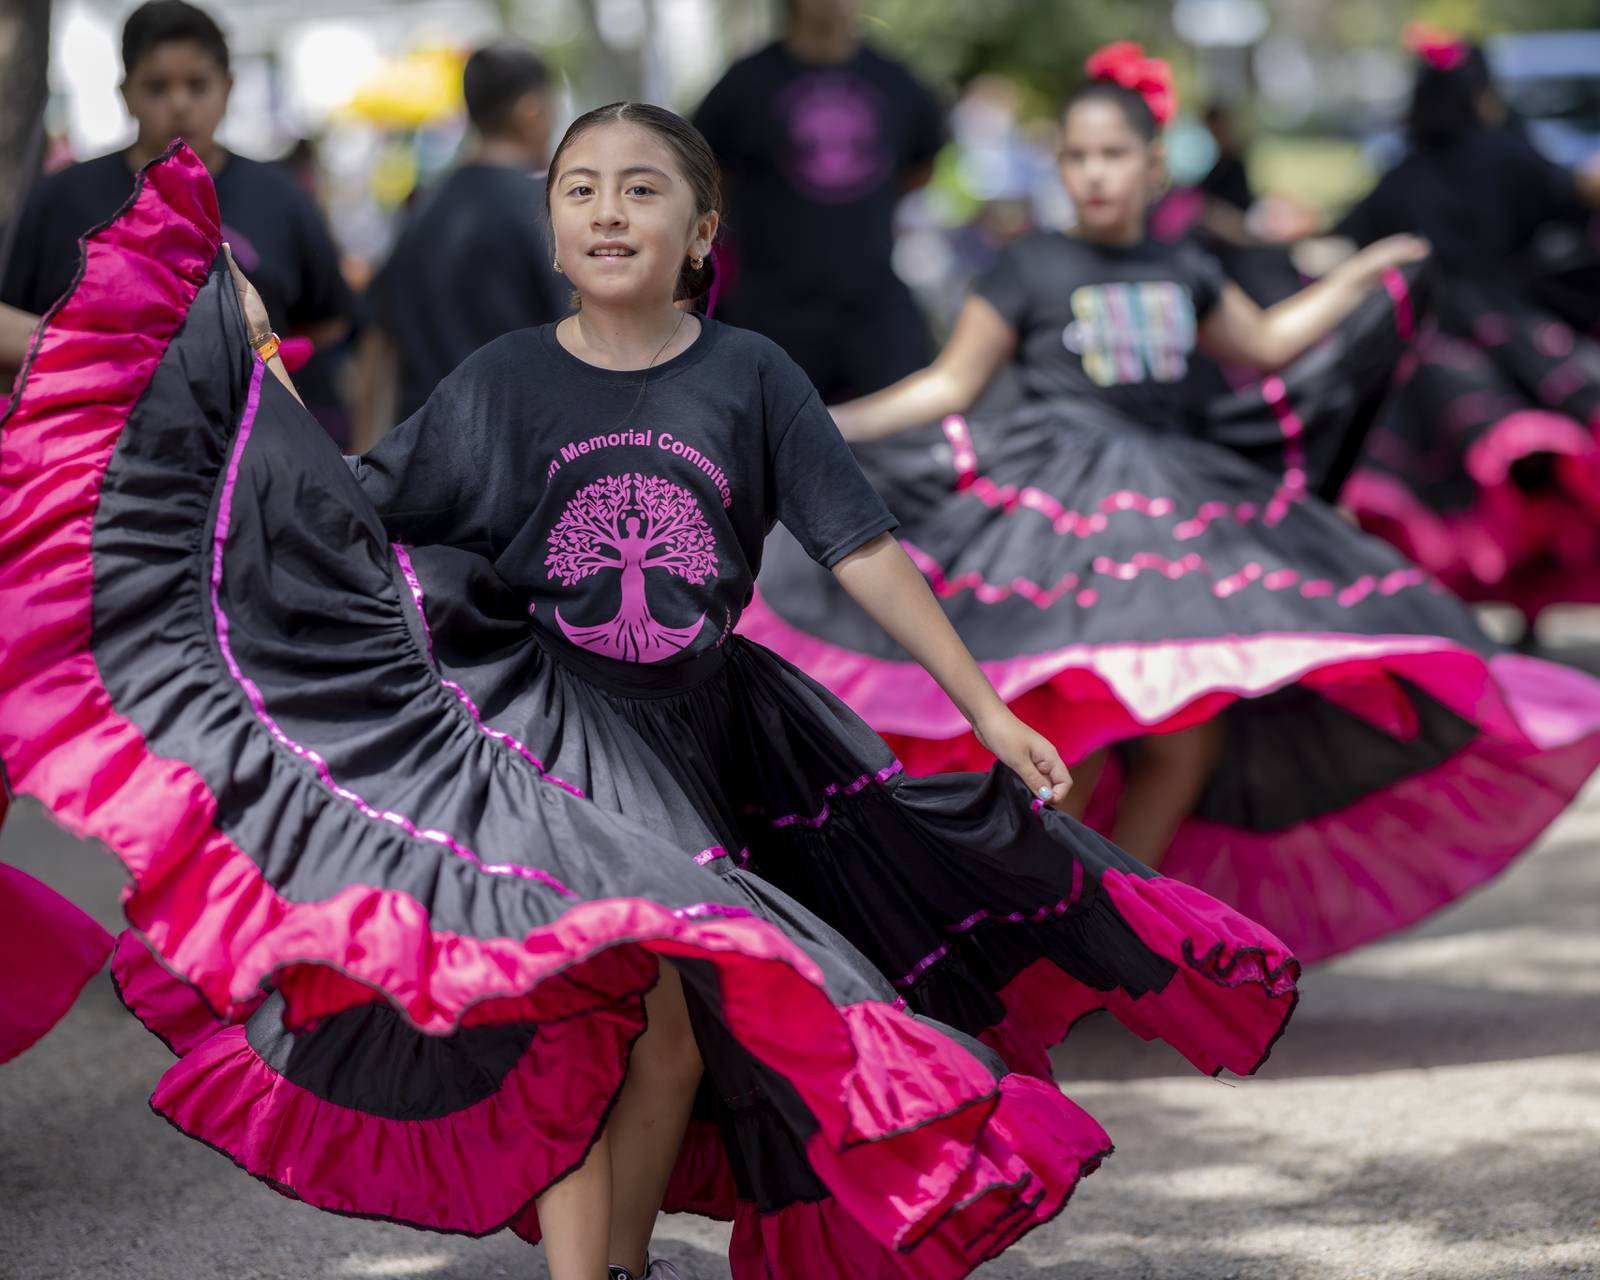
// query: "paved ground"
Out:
[1434,1112]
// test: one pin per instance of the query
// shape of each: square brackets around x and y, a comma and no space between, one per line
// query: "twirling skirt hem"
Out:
[1001,1162]
[1122,691]
[1531,551]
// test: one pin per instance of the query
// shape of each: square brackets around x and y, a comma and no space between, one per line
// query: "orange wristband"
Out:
[268,347]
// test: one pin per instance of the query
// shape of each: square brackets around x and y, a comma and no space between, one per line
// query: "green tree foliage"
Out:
[1485,17]
[1041,44]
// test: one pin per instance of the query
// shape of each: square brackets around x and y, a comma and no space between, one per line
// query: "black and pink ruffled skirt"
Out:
[402,869]
[1484,466]
[1382,756]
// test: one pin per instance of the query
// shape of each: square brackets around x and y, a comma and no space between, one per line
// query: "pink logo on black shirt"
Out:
[632,523]
[836,150]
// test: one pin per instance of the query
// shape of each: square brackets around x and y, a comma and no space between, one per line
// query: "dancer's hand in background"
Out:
[1267,338]
[1390,252]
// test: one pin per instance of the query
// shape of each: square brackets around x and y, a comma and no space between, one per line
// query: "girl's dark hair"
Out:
[1132,103]
[689,148]
[1445,103]
[166,22]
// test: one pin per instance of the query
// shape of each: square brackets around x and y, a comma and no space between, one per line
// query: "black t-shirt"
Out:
[1479,201]
[1114,323]
[276,233]
[633,522]
[815,157]
[472,263]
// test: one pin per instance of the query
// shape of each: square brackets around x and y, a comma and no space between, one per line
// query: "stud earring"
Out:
[697,263]
[556,264]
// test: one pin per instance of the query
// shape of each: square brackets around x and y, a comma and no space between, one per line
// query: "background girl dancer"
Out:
[1485,463]
[1123,580]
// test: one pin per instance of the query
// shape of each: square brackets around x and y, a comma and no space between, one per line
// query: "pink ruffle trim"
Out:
[1223,1009]
[1120,691]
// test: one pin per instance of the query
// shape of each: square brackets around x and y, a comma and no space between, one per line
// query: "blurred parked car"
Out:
[1551,81]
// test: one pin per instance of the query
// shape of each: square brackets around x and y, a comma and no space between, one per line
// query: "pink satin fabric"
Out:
[49,950]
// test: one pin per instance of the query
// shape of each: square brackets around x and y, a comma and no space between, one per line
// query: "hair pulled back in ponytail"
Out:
[1447,97]
[690,150]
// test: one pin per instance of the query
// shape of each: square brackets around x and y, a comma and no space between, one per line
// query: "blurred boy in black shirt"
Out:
[474,260]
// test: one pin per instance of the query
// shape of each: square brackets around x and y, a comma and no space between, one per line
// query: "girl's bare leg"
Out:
[575,1218]
[649,1120]
[1085,778]
[1168,775]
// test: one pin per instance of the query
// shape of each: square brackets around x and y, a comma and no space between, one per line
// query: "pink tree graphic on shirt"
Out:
[632,523]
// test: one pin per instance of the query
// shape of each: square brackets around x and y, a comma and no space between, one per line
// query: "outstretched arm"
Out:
[1270,338]
[981,343]
[880,577]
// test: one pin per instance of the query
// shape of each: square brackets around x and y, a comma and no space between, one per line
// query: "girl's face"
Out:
[624,217]
[1109,170]
[177,90]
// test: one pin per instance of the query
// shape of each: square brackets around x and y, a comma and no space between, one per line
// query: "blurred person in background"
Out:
[1228,180]
[176,83]
[474,261]
[818,136]
[1485,465]
[1475,186]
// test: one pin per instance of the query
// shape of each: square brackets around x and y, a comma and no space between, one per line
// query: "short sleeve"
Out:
[1205,278]
[819,493]
[1004,286]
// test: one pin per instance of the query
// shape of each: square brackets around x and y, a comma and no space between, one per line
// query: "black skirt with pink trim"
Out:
[1484,466]
[1382,757]
[402,870]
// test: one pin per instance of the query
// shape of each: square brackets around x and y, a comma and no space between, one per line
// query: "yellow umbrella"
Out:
[418,88]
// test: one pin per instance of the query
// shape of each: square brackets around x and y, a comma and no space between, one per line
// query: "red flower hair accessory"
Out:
[1125,63]
[1439,48]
